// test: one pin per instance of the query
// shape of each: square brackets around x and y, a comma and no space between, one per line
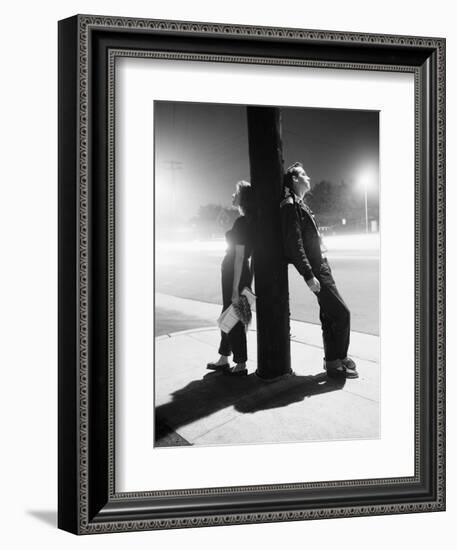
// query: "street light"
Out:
[366,180]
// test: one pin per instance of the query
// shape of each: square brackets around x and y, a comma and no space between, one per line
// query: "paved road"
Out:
[195,274]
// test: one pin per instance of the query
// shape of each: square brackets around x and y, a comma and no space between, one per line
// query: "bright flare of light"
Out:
[367,179]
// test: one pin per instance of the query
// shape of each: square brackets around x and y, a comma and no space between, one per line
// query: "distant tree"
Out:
[329,201]
[333,202]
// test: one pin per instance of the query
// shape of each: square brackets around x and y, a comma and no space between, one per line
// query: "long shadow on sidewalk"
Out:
[215,392]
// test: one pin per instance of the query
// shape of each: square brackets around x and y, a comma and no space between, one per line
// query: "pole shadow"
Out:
[247,394]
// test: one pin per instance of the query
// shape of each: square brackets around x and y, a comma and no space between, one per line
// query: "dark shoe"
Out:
[351,368]
[341,368]
[216,366]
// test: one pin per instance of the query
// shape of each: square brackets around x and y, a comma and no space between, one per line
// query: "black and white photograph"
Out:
[266,274]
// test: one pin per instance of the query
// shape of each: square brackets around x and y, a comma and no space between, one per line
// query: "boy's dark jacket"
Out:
[301,238]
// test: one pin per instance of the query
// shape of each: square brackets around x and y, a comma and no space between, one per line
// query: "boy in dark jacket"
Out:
[303,247]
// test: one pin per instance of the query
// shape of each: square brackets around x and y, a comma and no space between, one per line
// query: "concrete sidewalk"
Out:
[200,407]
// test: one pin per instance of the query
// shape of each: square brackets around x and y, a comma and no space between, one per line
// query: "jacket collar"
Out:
[290,193]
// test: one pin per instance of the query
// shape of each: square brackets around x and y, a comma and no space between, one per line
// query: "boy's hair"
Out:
[290,173]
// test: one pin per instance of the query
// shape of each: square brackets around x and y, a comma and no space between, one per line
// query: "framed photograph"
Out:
[251,274]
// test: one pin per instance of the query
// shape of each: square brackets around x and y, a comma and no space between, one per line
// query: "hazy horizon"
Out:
[201,150]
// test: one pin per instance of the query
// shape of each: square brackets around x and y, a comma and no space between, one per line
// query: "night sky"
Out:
[201,151]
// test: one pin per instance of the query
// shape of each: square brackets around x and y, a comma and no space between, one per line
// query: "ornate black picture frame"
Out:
[88,501]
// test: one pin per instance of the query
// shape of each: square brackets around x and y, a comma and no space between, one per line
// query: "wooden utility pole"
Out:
[270,268]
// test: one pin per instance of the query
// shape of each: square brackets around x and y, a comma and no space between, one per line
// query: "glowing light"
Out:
[367,179]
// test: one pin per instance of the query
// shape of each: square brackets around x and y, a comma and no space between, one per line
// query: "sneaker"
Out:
[351,368]
[341,368]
